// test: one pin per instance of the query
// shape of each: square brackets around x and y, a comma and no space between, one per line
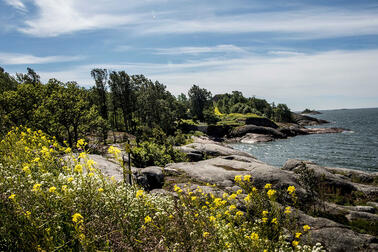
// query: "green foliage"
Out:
[199,99]
[61,204]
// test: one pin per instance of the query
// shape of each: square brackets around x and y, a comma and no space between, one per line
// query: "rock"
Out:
[108,167]
[304,120]
[373,204]
[150,177]
[292,131]
[329,181]
[355,175]
[336,237]
[255,138]
[323,130]
[366,209]
[261,121]
[243,130]
[200,150]
[354,215]
[222,171]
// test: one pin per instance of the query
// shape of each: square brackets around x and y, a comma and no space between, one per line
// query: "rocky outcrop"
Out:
[304,120]
[243,130]
[323,130]
[199,151]
[261,121]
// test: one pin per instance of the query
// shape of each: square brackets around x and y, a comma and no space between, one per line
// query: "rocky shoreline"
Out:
[340,205]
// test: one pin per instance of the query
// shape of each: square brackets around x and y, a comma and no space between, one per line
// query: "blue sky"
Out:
[316,54]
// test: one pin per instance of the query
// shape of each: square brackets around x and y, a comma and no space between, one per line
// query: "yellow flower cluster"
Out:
[77,218]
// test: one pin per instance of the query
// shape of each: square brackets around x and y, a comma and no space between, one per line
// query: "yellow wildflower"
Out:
[205,234]
[26,169]
[91,174]
[247,198]
[232,207]
[227,213]
[77,218]
[254,189]
[193,198]
[12,196]
[212,218]
[291,189]
[297,235]
[139,194]
[264,220]
[306,228]
[254,236]
[147,219]
[239,192]
[83,155]
[90,163]
[295,243]
[70,179]
[274,221]
[238,178]
[80,143]
[52,189]
[271,193]
[268,186]
[170,216]
[36,187]
[225,195]
[264,213]
[100,189]
[68,150]
[247,178]
[239,213]
[287,210]
[78,168]
[232,196]
[27,214]
[176,188]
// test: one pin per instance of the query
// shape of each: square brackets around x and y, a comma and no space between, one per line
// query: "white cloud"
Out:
[293,79]
[200,50]
[16,4]
[57,17]
[19,59]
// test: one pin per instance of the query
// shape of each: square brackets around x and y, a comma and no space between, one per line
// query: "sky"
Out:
[308,54]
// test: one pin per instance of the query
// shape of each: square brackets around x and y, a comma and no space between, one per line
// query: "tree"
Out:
[199,99]
[30,78]
[123,96]
[101,77]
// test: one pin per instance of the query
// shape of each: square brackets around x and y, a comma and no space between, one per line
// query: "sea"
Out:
[356,148]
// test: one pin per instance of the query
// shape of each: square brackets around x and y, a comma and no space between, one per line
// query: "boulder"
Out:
[150,177]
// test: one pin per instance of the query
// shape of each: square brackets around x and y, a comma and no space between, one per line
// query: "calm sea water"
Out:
[355,149]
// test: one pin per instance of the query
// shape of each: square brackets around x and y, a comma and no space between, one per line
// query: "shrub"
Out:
[54,200]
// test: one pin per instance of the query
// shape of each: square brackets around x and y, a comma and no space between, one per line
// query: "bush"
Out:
[54,200]
[153,154]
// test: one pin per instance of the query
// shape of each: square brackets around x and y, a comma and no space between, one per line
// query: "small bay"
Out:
[356,148]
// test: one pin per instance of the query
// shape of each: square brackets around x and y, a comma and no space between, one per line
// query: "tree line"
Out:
[117,102]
